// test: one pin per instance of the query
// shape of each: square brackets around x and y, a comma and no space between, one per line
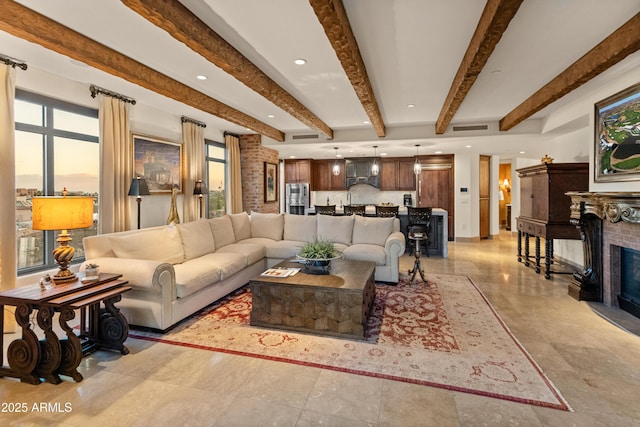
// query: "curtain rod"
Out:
[13,62]
[95,90]
[225,133]
[185,119]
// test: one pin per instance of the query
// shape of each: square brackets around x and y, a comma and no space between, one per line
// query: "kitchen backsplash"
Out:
[361,194]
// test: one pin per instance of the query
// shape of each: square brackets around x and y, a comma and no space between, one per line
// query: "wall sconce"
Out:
[336,165]
[139,188]
[200,190]
[62,213]
[506,186]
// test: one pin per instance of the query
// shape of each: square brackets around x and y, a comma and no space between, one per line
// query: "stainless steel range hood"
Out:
[358,171]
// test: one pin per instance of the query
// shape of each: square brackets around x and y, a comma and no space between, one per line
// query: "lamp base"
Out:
[63,255]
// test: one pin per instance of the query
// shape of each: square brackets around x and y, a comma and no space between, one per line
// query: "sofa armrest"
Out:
[141,274]
[395,245]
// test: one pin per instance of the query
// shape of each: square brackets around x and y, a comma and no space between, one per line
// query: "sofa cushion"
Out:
[262,241]
[373,231]
[251,251]
[222,230]
[197,274]
[241,225]
[284,249]
[197,239]
[267,225]
[337,229]
[366,252]
[300,228]
[162,244]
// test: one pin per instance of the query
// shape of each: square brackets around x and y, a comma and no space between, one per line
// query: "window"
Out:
[56,148]
[216,165]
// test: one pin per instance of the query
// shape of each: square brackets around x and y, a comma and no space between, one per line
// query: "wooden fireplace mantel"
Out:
[588,211]
[611,206]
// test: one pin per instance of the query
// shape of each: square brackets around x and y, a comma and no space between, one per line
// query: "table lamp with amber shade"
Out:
[62,213]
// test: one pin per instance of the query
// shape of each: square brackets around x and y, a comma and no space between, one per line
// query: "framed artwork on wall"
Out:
[617,136]
[270,182]
[159,162]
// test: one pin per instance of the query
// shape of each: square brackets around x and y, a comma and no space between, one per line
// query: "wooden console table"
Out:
[31,359]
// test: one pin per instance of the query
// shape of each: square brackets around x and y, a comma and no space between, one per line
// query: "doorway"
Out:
[436,186]
[485,196]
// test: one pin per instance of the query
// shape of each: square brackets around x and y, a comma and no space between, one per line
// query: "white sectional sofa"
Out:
[176,270]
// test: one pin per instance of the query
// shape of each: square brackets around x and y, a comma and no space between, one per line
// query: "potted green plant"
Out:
[318,255]
[92,270]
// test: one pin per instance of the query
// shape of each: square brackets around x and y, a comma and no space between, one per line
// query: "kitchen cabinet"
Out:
[323,177]
[397,174]
[297,171]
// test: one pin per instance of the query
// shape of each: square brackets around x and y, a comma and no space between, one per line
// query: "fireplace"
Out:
[609,225]
[628,276]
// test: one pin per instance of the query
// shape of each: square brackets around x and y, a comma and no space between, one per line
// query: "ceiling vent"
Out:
[470,127]
[304,137]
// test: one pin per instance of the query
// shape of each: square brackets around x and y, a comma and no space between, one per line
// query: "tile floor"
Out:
[594,363]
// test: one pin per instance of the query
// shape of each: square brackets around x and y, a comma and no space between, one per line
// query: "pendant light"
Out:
[417,167]
[375,167]
[336,165]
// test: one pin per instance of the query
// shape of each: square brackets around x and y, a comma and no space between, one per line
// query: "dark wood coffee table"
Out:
[336,304]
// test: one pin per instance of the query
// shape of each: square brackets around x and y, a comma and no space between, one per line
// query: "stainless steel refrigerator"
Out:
[297,198]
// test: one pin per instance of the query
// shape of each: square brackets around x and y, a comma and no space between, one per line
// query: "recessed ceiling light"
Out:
[383,154]
[366,122]
[522,152]
[292,157]
[411,105]
[300,61]
[468,146]
[438,152]
[271,116]
[201,77]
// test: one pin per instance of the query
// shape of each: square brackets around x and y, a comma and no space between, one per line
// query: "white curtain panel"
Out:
[193,143]
[235,173]
[116,165]
[8,266]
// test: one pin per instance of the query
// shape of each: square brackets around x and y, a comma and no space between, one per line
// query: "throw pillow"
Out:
[159,245]
[241,225]
[197,239]
[300,228]
[373,231]
[269,226]
[222,230]
[336,229]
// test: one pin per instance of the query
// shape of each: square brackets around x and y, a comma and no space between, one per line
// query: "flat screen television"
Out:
[617,136]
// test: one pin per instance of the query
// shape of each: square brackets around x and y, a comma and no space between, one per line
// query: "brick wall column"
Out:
[252,158]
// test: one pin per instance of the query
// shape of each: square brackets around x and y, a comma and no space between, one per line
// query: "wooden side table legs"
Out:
[71,348]
[112,327]
[50,348]
[23,354]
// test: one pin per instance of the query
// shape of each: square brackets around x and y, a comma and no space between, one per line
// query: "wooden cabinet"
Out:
[297,171]
[323,177]
[545,209]
[397,174]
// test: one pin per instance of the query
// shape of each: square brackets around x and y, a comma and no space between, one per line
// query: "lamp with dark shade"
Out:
[200,190]
[138,189]
[62,213]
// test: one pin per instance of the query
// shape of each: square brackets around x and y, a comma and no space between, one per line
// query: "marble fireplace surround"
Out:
[607,222]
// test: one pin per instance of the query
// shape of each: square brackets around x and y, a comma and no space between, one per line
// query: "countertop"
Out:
[371,211]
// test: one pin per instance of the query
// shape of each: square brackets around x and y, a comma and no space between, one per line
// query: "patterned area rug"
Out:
[442,334]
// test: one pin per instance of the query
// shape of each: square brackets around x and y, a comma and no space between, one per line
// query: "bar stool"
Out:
[387,211]
[355,209]
[420,217]
[325,209]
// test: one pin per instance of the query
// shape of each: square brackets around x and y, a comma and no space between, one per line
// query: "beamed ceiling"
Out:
[391,73]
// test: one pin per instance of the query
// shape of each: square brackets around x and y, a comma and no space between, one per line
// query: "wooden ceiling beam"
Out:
[31,26]
[495,19]
[617,46]
[186,27]
[335,22]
